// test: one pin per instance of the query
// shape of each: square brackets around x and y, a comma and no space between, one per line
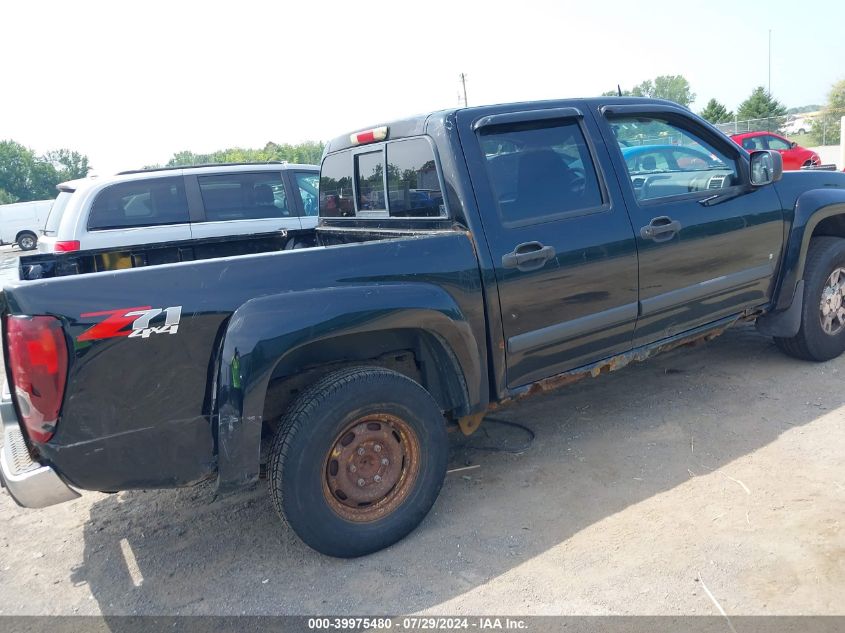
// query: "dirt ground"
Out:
[714,471]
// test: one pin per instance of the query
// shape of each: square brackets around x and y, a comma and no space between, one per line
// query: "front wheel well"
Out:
[420,355]
[833,226]
[24,232]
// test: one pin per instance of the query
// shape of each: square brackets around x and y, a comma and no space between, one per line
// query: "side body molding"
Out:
[266,329]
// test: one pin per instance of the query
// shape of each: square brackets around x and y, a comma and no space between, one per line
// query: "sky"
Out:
[131,83]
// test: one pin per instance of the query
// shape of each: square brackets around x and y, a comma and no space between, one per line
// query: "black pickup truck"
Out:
[464,259]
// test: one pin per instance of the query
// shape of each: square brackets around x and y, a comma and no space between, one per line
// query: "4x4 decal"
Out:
[116,322]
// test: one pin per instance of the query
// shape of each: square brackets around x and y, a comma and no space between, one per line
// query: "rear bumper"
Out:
[31,485]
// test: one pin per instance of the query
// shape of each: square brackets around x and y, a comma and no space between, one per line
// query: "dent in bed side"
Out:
[266,330]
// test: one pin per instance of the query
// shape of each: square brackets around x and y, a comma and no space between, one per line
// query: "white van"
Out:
[174,204]
[21,222]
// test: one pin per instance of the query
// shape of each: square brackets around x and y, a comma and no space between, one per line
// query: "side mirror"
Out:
[793,144]
[766,167]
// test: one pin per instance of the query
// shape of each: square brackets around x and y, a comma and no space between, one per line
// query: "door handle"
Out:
[528,256]
[660,229]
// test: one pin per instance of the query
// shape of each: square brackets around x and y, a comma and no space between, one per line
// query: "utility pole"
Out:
[464,84]
[770,62]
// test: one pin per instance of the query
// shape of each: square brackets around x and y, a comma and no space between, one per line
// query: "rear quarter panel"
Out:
[140,412]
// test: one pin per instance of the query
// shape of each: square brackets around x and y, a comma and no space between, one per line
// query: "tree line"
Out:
[26,176]
[759,105]
[307,153]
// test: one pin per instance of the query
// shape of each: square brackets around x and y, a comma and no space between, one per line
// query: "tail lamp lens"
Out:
[38,360]
[67,247]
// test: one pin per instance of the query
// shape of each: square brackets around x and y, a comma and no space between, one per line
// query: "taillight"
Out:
[369,136]
[67,247]
[38,363]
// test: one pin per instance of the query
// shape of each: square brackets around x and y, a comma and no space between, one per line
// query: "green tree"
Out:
[307,153]
[826,128]
[671,87]
[69,165]
[6,197]
[25,176]
[762,105]
[16,163]
[715,112]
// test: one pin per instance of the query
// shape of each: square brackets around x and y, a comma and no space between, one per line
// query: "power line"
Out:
[770,61]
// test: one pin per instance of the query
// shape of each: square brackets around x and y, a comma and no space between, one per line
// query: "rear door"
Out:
[562,245]
[142,211]
[708,242]
[241,203]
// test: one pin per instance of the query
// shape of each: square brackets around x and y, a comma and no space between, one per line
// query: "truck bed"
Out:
[48,265]
[157,390]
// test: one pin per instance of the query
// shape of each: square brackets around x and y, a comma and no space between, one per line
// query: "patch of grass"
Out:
[804,140]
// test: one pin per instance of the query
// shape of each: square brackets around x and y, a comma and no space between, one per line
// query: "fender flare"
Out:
[811,208]
[264,330]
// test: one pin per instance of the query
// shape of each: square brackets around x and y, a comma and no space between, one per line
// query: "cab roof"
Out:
[416,125]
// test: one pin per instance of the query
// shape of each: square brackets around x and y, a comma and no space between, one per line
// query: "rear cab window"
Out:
[394,179]
[147,202]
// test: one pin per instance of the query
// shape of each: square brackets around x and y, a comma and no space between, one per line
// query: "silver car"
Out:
[173,204]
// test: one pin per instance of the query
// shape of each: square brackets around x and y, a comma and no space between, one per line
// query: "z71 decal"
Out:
[116,322]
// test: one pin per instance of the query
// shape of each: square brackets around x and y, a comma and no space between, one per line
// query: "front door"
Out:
[708,242]
[562,246]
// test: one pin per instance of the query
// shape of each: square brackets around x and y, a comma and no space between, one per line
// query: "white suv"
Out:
[173,204]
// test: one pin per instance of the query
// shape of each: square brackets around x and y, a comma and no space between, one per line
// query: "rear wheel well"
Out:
[24,232]
[420,355]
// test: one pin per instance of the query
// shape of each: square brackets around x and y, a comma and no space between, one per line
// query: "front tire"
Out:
[358,462]
[27,241]
[822,333]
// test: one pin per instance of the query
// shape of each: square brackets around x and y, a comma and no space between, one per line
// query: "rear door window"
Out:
[148,202]
[244,196]
[540,170]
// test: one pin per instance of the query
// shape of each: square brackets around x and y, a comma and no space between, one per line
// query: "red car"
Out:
[794,156]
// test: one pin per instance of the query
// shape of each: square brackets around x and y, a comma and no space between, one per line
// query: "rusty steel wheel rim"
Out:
[371,467]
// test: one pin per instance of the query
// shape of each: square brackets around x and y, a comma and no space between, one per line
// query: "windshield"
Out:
[56,212]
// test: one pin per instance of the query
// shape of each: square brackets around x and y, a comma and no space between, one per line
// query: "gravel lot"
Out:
[712,470]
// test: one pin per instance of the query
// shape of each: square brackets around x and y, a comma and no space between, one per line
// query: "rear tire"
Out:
[822,333]
[358,461]
[27,241]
